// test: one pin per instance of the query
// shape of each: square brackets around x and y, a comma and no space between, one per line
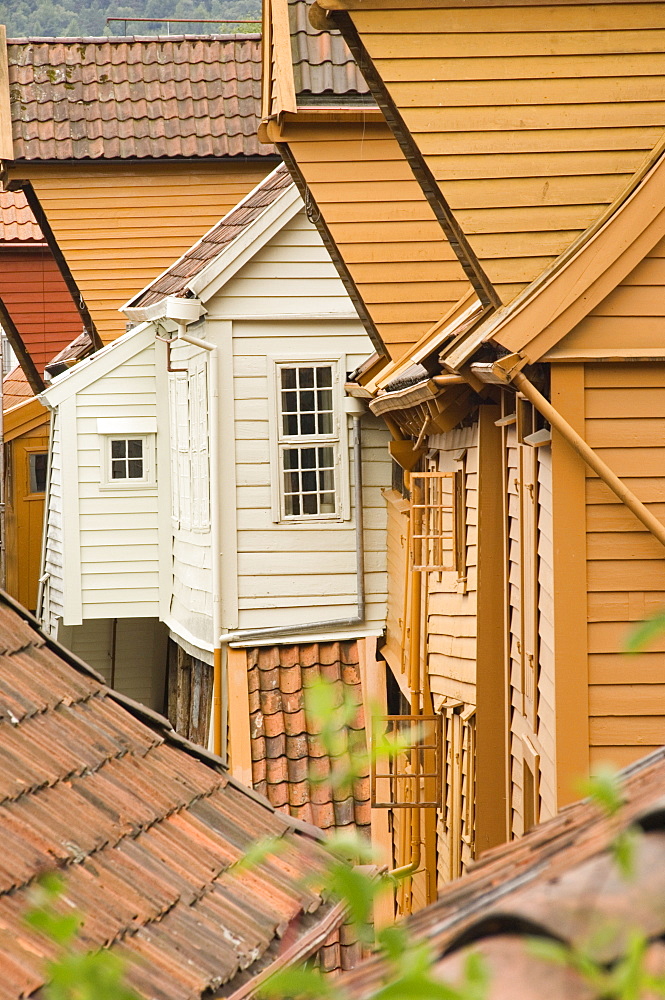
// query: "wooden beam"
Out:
[491,693]
[571,685]
[240,746]
[6,140]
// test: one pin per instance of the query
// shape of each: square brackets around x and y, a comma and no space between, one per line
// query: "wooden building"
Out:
[128,150]
[526,541]
[39,320]
[231,548]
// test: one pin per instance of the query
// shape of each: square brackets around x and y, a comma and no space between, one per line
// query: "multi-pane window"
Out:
[37,466]
[308,440]
[127,458]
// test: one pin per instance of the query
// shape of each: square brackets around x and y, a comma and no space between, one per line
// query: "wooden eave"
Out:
[24,417]
[581,278]
[333,5]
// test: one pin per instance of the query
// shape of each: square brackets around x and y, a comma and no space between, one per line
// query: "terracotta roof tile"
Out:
[17,223]
[15,388]
[176,280]
[290,762]
[145,830]
[560,881]
[324,70]
[135,97]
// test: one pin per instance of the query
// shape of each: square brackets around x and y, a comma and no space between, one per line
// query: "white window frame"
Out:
[280,442]
[149,479]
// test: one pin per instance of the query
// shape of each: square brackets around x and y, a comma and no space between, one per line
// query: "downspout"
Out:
[577,442]
[215,533]
[355,407]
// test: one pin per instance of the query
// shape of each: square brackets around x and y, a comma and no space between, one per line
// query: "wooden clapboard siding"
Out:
[395,648]
[637,306]
[625,577]
[384,229]
[133,660]
[451,607]
[546,734]
[514,626]
[119,225]
[53,600]
[530,119]
[118,528]
[38,301]
[297,572]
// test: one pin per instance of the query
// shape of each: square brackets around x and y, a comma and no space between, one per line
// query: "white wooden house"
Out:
[204,506]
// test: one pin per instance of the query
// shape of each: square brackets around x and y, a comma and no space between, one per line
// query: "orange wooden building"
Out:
[526,405]
[129,150]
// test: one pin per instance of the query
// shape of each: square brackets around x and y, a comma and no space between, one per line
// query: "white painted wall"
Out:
[53,589]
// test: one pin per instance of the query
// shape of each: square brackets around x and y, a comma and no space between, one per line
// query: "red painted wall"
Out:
[38,300]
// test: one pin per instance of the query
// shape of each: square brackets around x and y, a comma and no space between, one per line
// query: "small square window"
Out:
[128,461]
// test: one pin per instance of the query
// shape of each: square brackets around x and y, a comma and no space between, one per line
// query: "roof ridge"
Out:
[120,39]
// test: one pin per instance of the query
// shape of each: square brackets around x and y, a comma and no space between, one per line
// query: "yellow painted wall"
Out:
[121,224]
[24,515]
[531,118]
[384,229]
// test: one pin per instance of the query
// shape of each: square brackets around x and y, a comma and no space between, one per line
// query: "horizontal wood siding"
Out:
[625,572]
[118,527]
[384,229]
[53,603]
[532,119]
[36,297]
[451,606]
[636,305]
[132,661]
[119,225]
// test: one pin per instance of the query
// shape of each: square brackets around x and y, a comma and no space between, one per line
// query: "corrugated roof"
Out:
[17,223]
[323,66]
[560,882]
[145,830]
[287,751]
[176,279]
[177,96]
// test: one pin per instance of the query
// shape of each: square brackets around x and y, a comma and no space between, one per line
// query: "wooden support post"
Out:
[240,747]
[491,693]
[571,684]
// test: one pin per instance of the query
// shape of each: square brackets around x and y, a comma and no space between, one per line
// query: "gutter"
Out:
[508,371]
[355,408]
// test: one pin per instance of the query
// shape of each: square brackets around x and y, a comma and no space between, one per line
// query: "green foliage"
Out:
[604,789]
[644,634]
[74,974]
[48,18]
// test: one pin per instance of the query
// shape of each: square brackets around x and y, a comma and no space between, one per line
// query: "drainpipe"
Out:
[594,461]
[215,533]
[355,408]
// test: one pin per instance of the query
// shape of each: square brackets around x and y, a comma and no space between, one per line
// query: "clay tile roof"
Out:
[15,388]
[95,98]
[144,829]
[323,68]
[17,223]
[286,749]
[216,240]
[560,882]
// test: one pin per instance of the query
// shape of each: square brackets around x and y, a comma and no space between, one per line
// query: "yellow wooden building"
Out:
[129,150]
[525,397]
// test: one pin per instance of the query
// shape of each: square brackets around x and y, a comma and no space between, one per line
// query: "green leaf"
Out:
[645,633]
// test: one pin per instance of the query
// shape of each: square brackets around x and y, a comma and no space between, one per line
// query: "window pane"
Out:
[291,482]
[135,468]
[310,503]
[327,504]
[290,424]
[291,458]
[324,377]
[309,482]
[37,465]
[118,449]
[118,470]
[292,506]
[326,458]
[325,423]
[306,378]
[135,448]
[308,423]
[306,402]
[288,378]
[308,458]
[289,402]
[327,480]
